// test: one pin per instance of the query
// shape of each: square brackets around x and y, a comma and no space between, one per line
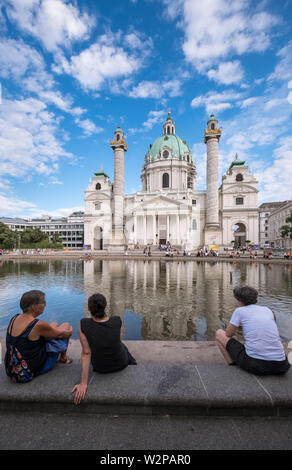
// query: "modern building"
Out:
[69,229]
[276,220]
[169,208]
[265,210]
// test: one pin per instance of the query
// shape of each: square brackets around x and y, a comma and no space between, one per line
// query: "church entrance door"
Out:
[162,237]
[239,235]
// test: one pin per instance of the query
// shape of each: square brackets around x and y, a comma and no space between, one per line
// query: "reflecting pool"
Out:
[156,300]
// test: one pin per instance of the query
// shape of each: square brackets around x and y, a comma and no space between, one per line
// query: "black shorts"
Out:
[256,366]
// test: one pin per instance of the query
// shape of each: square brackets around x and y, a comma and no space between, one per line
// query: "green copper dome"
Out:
[177,146]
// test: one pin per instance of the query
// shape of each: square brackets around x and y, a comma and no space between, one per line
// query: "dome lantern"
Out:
[169,126]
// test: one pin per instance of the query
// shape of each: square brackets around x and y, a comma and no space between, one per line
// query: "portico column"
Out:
[177,229]
[154,229]
[135,228]
[188,226]
[145,229]
[167,228]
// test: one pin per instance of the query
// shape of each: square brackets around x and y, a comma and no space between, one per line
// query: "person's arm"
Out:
[231,330]
[48,331]
[80,389]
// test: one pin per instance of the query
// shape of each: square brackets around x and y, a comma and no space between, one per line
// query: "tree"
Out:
[33,236]
[286,230]
[8,238]
[56,238]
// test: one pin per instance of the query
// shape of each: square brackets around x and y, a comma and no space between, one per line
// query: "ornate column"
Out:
[177,230]
[119,147]
[212,137]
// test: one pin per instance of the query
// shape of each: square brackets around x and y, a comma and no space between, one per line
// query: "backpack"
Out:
[16,367]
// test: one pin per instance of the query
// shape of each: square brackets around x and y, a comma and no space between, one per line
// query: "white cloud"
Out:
[215,30]
[54,22]
[248,102]
[17,58]
[100,62]
[227,73]
[154,117]
[112,59]
[276,178]
[11,206]
[148,89]
[88,127]
[283,70]
[274,102]
[28,139]
[216,102]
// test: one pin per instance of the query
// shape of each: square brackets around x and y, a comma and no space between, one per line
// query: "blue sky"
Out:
[71,71]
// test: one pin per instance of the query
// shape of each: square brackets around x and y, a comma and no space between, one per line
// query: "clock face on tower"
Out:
[165,154]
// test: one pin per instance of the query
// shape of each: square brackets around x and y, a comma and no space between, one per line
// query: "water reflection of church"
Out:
[175,300]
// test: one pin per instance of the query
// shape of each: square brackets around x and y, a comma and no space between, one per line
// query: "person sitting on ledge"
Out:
[100,338]
[263,352]
[34,346]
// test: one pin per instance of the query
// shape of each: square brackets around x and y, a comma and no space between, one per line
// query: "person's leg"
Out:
[222,340]
[63,358]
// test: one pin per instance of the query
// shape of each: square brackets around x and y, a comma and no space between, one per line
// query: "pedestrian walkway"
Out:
[181,395]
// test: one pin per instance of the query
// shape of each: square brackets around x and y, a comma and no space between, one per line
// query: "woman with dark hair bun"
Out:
[100,338]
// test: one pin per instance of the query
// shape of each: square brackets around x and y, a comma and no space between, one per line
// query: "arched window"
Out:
[239,177]
[165,180]
[213,126]
[168,130]
[165,154]
[98,186]
[118,136]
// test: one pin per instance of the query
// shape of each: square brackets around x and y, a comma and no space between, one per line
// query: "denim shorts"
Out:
[52,358]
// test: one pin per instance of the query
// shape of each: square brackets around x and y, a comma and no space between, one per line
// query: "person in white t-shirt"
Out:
[263,352]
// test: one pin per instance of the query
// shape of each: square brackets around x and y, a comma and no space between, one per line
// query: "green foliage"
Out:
[286,230]
[29,238]
[8,238]
[32,237]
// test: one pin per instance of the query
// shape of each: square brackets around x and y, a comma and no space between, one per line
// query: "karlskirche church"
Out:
[169,208]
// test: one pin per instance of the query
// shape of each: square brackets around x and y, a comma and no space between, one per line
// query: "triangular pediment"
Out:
[161,201]
[97,196]
[239,188]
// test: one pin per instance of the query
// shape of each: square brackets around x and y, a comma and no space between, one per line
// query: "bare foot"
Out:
[64,359]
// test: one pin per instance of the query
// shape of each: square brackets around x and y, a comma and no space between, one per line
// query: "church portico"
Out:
[152,227]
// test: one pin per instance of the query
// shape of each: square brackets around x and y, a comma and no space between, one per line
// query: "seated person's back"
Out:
[108,354]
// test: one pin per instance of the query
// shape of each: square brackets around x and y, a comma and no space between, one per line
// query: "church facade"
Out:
[169,208]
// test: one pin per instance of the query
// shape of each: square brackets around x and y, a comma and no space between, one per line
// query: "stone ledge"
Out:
[154,389]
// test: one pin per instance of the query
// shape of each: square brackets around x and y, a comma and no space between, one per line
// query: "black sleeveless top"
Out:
[33,352]
[108,353]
